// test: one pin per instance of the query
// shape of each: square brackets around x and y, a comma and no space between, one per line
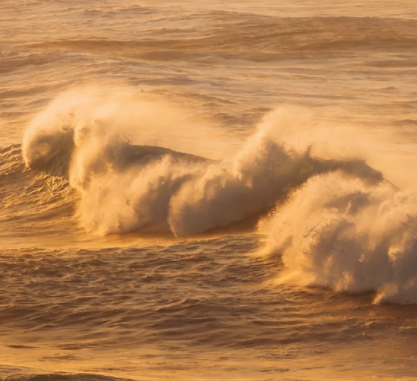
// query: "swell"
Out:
[32,203]
[259,38]
[15,60]
[62,377]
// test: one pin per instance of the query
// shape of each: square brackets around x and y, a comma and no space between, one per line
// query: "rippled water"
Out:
[159,222]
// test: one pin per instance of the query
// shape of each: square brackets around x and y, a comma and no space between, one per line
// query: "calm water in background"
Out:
[77,305]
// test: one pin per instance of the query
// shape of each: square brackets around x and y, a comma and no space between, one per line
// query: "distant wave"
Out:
[62,377]
[258,38]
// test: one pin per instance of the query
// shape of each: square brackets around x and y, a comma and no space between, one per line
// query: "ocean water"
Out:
[212,190]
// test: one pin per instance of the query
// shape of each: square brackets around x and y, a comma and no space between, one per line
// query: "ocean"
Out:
[219,190]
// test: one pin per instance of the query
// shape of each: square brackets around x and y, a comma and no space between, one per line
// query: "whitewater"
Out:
[194,191]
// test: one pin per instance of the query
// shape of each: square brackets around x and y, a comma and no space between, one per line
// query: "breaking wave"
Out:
[123,159]
[141,165]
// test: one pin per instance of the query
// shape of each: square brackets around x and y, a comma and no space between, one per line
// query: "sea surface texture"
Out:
[208,190]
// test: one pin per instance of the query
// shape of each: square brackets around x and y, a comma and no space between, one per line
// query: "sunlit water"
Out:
[255,244]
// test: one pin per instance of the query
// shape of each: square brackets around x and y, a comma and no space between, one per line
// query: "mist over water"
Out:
[208,191]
